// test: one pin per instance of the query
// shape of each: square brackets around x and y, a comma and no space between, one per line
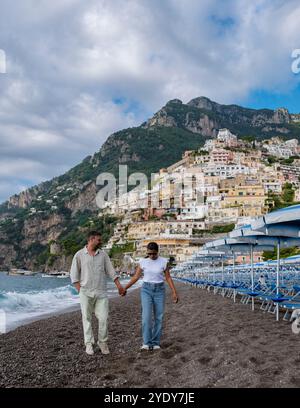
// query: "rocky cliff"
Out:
[64,208]
[203,116]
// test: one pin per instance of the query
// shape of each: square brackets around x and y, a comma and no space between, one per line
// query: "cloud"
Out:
[79,70]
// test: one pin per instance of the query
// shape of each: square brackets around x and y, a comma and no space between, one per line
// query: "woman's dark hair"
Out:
[152,246]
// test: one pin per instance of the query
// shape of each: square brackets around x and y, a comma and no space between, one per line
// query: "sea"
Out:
[24,299]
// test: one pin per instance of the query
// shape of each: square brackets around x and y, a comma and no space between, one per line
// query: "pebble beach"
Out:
[208,342]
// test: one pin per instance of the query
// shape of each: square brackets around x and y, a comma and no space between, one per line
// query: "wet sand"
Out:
[208,341]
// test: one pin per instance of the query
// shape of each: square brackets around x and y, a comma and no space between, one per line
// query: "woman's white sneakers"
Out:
[146,347]
[105,350]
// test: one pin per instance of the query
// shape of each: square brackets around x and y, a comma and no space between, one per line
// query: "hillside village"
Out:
[209,174]
[227,181]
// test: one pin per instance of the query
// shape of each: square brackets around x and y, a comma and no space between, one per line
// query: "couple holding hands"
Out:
[91,266]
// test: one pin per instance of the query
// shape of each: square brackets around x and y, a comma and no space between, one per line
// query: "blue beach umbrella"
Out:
[292,259]
[234,245]
[283,222]
[208,256]
[247,234]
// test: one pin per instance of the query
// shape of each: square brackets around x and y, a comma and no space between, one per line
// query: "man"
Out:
[262,280]
[90,267]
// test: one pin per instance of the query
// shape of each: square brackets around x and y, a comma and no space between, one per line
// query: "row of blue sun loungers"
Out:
[288,298]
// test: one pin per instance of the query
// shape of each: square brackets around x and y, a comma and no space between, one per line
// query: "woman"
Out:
[156,270]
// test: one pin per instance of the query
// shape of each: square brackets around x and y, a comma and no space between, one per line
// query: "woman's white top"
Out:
[153,269]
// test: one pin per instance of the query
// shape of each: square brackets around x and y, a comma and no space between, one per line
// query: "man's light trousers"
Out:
[100,307]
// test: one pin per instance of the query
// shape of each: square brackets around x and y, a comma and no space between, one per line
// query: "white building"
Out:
[208,145]
[193,211]
[279,151]
[272,187]
[228,170]
[286,149]
[226,137]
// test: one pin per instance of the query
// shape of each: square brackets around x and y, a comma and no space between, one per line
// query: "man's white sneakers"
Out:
[156,347]
[145,347]
[103,348]
[89,349]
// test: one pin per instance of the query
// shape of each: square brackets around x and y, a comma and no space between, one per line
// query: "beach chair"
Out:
[265,296]
[247,294]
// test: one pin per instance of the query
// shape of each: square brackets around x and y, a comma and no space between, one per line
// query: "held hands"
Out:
[122,291]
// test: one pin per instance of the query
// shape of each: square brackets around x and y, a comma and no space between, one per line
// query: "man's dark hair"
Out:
[152,246]
[93,234]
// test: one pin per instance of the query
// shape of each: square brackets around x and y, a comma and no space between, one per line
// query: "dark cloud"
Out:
[77,70]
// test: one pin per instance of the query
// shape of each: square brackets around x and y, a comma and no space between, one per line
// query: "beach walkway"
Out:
[208,341]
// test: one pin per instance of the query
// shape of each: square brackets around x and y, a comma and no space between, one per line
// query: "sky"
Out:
[79,70]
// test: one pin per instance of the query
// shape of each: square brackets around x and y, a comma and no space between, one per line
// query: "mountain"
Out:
[43,226]
[203,116]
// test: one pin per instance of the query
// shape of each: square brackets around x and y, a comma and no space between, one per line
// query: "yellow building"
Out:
[223,215]
[246,193]
[250,199]
[140,230]
[144,229]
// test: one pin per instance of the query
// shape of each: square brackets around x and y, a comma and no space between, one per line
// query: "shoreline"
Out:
[208,342]
[45,315]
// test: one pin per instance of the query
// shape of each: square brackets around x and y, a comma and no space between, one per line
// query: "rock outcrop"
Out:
[203,116]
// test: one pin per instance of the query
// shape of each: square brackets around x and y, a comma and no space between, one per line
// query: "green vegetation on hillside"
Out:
[284,253]
[216,229]
[118,250]
[285,199]
[74,236]
[240,121]
[156,147]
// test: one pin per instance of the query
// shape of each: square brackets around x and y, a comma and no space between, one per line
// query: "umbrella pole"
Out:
[233,275]
[214,277]
[252,274]
[209,270]
[207,274]
[277,279]
[223,290]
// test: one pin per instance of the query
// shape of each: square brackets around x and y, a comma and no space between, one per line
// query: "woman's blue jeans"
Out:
[153,298]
